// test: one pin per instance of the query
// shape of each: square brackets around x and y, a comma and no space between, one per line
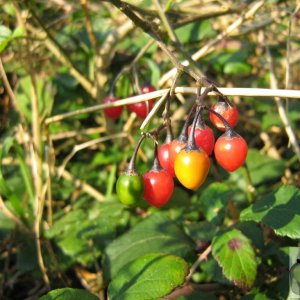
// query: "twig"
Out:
[288,48]
[245,92]
[88,144]
[12,216]
[165,21]
[154,110]
[202,256]
[152,32]
[35,154]
[205,49]
[88,24]
[280,107]
[81,184]
[10,91]
[132,64]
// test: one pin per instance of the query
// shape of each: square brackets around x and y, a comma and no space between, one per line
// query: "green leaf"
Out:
[69,294]
[5,188]
[237,68]
[280,211]
[5,32]
[214,200]
[253,231]
[154,71]
[151,276]
[194,32]
[18,32]
[83,238]
[155,234]
[236,256]
[26,174]
[263,168]
[6,36]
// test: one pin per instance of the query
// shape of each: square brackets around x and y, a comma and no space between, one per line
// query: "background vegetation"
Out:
[61,224]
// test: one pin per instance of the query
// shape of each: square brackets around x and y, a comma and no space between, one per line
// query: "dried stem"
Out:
[280,107]
[245,92]
[203,256]
[35,153]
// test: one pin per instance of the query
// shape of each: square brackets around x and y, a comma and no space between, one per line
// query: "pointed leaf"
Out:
[280,211]
[155,234]
[214,201]
[151,276]
[236,256]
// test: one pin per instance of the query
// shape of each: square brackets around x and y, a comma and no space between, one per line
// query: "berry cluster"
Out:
[141,108]
[187,156]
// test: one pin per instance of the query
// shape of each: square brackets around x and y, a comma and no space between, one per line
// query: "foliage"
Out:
[64,232]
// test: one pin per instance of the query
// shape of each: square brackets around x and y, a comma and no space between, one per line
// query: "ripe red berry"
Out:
[158,186]
[228,112]
[112,112]
[164,158]
[148,89]
[230,151]
[142,109]
[204,138]
[175,147]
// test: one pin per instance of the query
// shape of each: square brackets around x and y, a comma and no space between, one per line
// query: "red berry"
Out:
[230,151]
[142,109]
[204,138]
[175,147]
[229,113]
[148,89]
[158,187]
[164,158]
[112,112]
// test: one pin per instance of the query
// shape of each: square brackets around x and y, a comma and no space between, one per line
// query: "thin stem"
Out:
[131,166]
[250,189]
[88,24]
[127,68]
[166,22]
[149,29]
[280,107]
[191,145]
[243,92]
[169,136]
[154,110]
[156,165]
[183,137]
[208,46]
[60,53]
[203,256]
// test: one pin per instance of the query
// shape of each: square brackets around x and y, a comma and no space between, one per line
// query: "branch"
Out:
[196,56]
[245,92]
[152,32]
